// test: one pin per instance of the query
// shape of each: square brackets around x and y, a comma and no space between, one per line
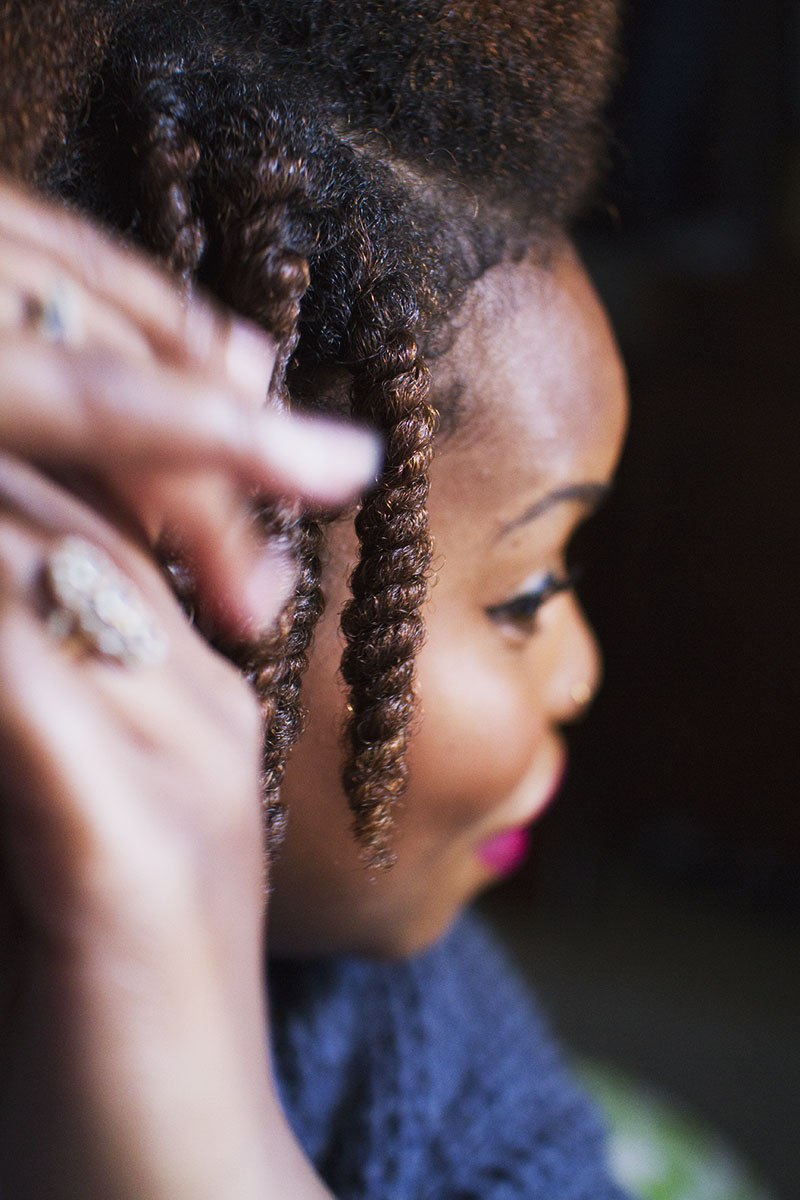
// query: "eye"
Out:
[521,612]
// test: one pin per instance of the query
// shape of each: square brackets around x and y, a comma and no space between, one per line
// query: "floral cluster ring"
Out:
[97,609]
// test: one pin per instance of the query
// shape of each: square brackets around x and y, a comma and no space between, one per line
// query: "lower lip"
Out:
[506,851]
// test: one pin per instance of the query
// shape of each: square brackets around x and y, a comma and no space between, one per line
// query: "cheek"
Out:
[481,730]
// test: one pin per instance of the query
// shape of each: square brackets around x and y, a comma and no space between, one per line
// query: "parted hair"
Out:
[340,172]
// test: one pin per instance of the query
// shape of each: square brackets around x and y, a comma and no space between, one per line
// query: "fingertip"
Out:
[241,591]
[319,459]
[249,359]
[269,586]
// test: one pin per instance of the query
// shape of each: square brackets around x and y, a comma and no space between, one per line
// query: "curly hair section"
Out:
[224,216]
[340,174]
[168,156]
[382,623]
[48,50]
[277,665]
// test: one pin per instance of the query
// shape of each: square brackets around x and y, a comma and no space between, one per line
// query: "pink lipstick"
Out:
[506,851]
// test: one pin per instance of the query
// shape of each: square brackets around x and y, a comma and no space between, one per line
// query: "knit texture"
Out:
[431,1079]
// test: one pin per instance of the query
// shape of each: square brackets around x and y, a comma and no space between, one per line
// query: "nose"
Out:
[577,665]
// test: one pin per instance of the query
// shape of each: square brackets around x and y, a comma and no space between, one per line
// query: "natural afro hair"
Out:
[339,172]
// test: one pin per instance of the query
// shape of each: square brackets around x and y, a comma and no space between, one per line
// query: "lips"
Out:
[506,850]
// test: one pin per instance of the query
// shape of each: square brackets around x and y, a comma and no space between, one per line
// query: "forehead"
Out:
[540,383]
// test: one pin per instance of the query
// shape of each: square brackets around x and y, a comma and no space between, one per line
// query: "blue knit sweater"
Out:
[431,1079]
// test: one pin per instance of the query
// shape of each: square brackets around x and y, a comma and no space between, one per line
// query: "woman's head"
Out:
[508,657]
[344,174]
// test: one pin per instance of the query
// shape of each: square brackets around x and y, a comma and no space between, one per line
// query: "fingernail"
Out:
[249,359]
[269,586]
[322,460]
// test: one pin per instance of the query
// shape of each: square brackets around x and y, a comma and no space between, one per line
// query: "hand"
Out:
[158,406]
[135,1061]
[134,1035]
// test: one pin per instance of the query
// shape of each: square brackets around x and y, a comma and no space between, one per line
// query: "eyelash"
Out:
[523,609]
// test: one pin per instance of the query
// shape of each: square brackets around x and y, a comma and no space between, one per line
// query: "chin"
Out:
[428,915]
[405,943]
[386,940]
[394,914]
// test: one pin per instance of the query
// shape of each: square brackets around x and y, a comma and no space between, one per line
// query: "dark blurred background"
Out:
[660,917]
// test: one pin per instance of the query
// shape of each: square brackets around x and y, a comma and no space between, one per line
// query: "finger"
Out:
[139,696]
[240,581]
[112,784]
[27,555]
[192,333]
[172,703]
[32,503]
[75,827]
[136,696]
[91,409]
[237,580]
[64,707]
[28,280]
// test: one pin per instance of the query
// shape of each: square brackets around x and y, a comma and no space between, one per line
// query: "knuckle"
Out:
[80,383]
[98,380]
[106,390]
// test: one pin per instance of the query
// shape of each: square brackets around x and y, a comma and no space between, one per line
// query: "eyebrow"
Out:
[589,494]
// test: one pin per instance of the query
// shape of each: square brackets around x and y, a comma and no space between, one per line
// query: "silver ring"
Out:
[97,606]
[57,317]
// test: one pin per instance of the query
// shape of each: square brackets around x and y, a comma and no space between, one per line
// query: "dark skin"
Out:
[136,1064]
[135,1028]
[507,659]
[175,391]
[136,1033]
